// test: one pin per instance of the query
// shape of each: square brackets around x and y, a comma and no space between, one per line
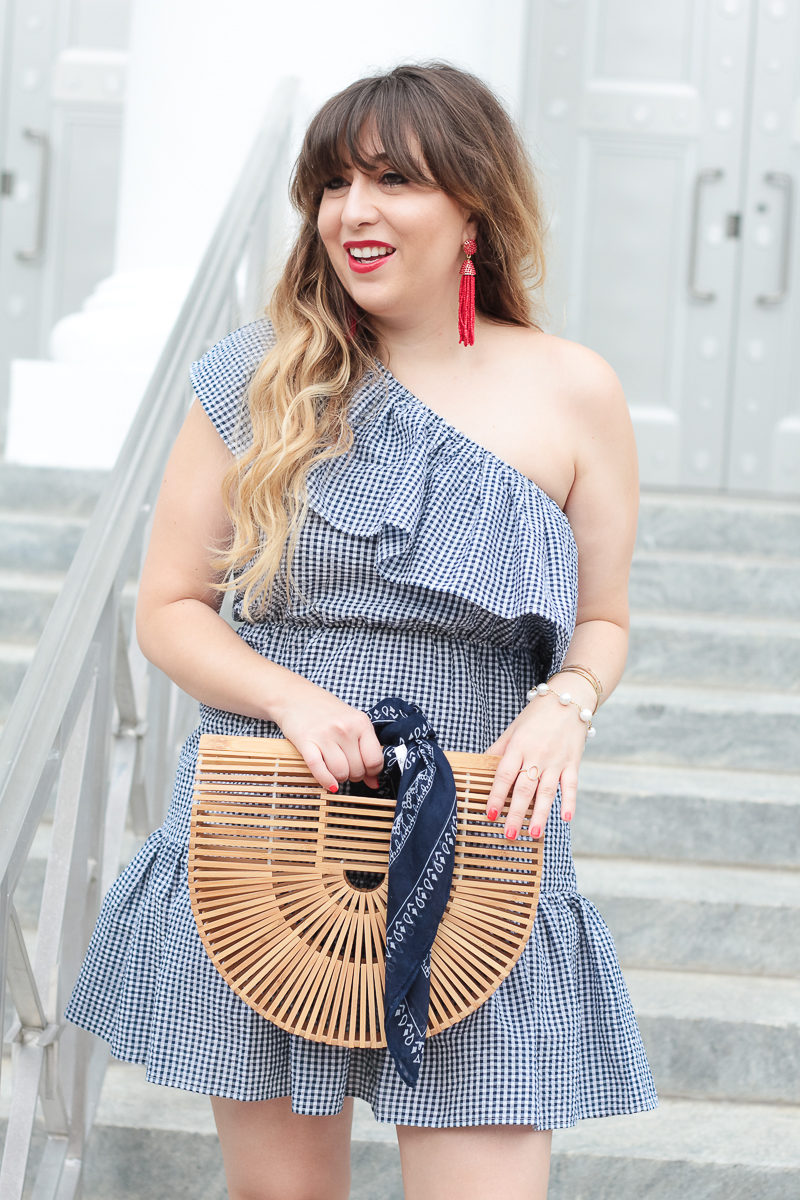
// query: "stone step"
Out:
[660,583]
[733,525]
[701,650]
[714,651]
[704,1151]
[152,1141]
[28,892]
[704,727]
[60,490]
[702,582]
[684,1148]
[640,813]
[688,814]
[43,541]
[685,917]
[720,1037]
[14,661]
[26,599]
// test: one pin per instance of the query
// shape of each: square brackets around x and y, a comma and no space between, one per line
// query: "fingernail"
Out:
[535,831]
[567,816]
[492,814]
[511,832]
[335,788]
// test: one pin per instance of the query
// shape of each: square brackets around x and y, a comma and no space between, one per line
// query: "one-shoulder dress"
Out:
[429,568]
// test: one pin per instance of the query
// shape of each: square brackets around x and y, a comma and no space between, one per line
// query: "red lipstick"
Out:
[361,266]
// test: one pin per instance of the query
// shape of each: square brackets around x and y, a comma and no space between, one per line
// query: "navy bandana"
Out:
[421,856]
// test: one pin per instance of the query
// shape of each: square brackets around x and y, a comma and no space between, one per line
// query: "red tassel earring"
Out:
[466,296]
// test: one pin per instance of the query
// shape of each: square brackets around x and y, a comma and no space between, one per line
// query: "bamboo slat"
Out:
[269,857]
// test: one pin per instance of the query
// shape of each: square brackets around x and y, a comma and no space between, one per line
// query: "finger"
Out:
[319,766]
[344,756]
[524,791]
[569,792]
[545,795]
[372,757]
[507,771]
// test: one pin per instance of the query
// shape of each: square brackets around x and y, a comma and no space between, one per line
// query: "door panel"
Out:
[640,195]
[649,42]
[764,444]
[639,121]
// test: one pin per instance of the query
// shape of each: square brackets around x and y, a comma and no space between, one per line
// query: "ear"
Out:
[471,228]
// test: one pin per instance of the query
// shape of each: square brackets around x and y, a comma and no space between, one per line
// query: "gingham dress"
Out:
[433,570]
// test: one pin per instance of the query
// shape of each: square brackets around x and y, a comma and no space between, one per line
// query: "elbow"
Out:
[619,618]
[143,625]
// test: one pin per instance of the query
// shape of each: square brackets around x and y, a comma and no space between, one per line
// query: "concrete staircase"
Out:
[687,838]
[43,513]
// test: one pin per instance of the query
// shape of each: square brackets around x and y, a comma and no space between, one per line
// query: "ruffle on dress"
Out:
[447,514]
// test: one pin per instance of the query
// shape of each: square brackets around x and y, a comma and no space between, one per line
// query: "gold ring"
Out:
[528,770]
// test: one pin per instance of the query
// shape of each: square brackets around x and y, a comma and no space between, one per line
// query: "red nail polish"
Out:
[567,816]
[535,831]
[492,814]
[335,788]
[511,832]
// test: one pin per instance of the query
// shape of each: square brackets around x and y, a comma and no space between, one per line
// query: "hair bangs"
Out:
[370,128]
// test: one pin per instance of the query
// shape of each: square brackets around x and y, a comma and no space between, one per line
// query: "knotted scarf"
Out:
[421,856]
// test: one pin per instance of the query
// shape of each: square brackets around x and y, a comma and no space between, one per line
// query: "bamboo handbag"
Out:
[288,889]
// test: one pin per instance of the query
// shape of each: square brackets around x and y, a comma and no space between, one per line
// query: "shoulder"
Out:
[588,382]
[574,389]
[234,357]
[221,377]
[575,374]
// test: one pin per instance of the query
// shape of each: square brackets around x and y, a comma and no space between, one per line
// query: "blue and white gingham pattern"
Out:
[430,569]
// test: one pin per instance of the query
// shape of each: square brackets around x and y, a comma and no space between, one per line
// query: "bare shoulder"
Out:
[584,369]
[565,417]
[574,374]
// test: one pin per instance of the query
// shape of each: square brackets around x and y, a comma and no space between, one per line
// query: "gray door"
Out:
[667,139]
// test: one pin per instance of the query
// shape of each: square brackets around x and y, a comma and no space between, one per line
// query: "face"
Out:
[395,245]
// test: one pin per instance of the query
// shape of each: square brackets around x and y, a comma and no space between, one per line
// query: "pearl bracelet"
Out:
[564,698]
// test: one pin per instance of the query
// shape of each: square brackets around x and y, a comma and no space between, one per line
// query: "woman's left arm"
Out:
[602,508]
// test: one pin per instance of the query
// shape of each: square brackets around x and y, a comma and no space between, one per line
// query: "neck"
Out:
[425,344]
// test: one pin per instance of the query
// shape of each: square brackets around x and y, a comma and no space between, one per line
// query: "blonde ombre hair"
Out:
[299,395]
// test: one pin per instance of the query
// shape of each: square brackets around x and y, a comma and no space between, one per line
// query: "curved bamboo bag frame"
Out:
[299,941]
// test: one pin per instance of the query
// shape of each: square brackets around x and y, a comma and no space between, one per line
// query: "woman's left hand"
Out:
[546,735]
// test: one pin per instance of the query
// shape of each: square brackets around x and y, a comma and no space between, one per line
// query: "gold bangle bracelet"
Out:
[588,675]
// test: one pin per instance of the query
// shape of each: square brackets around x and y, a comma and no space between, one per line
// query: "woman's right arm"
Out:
[180,630]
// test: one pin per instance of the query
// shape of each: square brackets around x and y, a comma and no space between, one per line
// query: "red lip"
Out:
[371,264]
[361,245]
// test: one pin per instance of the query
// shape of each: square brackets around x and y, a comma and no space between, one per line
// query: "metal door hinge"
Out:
[6,183]
[733,224]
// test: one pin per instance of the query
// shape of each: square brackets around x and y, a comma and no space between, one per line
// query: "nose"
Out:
[359,206]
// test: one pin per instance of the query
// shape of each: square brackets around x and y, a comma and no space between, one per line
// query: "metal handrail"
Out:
[91,725]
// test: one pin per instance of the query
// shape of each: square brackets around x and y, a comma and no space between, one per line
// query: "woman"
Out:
[407,505]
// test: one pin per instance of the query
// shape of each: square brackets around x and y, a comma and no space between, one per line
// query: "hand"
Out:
[337,741]
[550,736]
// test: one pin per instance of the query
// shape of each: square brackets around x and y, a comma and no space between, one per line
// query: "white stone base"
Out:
[71,414]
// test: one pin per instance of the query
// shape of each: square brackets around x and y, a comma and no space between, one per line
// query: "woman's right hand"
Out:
[337,741]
